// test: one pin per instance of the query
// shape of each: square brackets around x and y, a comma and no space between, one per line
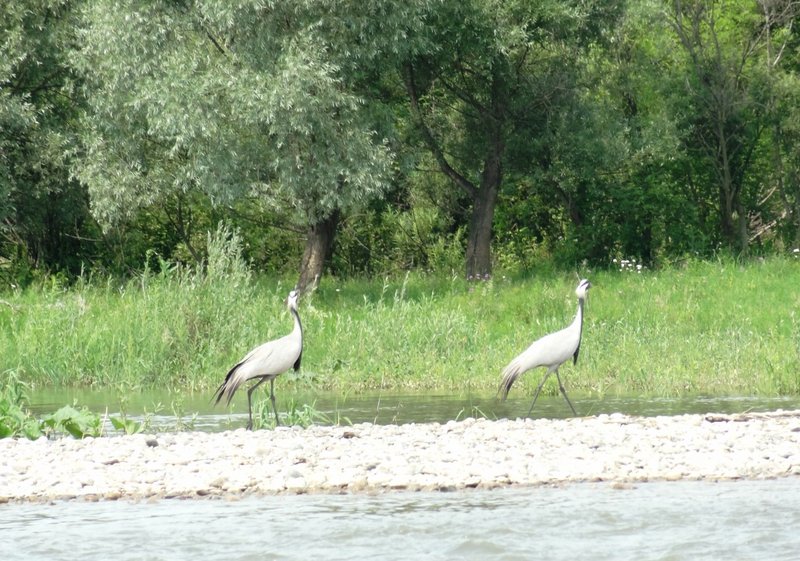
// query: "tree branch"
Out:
[435,148]
[222,51]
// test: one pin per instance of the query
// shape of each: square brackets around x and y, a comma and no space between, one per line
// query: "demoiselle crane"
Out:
[551,351]
[266,362]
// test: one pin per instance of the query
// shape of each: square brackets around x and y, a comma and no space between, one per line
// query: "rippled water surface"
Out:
[167,411]
[668,521]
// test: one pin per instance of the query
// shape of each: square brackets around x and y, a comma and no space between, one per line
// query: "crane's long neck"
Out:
[578,322]
[298,325]
[297,333]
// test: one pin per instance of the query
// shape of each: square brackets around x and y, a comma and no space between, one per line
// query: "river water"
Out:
[739,520]
[661,520]
[167,411]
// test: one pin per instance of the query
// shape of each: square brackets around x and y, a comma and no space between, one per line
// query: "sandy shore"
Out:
[473,453]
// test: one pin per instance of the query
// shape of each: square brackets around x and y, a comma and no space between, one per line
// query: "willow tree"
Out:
[237,102]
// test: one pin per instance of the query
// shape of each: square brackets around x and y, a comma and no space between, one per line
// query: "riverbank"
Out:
[473,453]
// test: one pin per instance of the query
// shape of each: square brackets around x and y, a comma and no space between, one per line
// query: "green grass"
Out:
[711,328]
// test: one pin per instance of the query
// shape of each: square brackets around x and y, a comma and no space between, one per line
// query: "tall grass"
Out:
[172,329]
[712,328]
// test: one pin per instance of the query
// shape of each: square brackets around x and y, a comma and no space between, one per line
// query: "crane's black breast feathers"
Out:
[575,356]
[297,362]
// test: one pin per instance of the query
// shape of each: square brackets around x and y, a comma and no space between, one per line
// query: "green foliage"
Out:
[701,328]
[295,415]
[126,425]
[390,241]
[269,118]
[719,327]
[157,328]
[493,62]
[610,120]
[15,419]
[79,423]
[723,75]
[44,213]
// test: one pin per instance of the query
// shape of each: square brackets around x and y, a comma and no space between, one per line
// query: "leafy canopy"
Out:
[234,101]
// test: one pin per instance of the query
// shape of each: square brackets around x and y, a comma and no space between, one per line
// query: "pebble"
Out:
[471,453]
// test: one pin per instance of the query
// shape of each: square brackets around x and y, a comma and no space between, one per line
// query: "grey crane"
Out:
[266,362]
[551,351]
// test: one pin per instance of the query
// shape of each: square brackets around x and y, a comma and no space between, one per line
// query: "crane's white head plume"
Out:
[291,300]
[583,288]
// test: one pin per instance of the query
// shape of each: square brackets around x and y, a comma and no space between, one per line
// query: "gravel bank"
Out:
[373,458]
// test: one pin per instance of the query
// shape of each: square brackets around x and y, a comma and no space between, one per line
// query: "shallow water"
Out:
[167,411]
[671,521]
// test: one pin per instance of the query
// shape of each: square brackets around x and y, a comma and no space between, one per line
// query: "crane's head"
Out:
[583,288]
[291,300]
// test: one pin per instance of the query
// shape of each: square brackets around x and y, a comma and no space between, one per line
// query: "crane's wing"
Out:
[267,360]
[553,349]
[239,373]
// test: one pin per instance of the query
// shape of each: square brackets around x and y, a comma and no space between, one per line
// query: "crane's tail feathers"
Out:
[510,375]
[227,388]
[220,393]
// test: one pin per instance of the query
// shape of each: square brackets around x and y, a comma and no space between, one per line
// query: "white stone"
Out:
[457,454]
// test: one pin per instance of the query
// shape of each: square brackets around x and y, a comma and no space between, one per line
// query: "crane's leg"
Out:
[536,395]
[561,387]
[249,404]
[272,399]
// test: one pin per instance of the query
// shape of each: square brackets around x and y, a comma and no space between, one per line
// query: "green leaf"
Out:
[128,426]
[78,423]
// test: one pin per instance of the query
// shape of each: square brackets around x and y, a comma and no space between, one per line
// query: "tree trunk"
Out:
[733,216]
[796,218]
[319,245]
[479,242]
[727,227]
[483,196]
[479,258]
[742,230]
